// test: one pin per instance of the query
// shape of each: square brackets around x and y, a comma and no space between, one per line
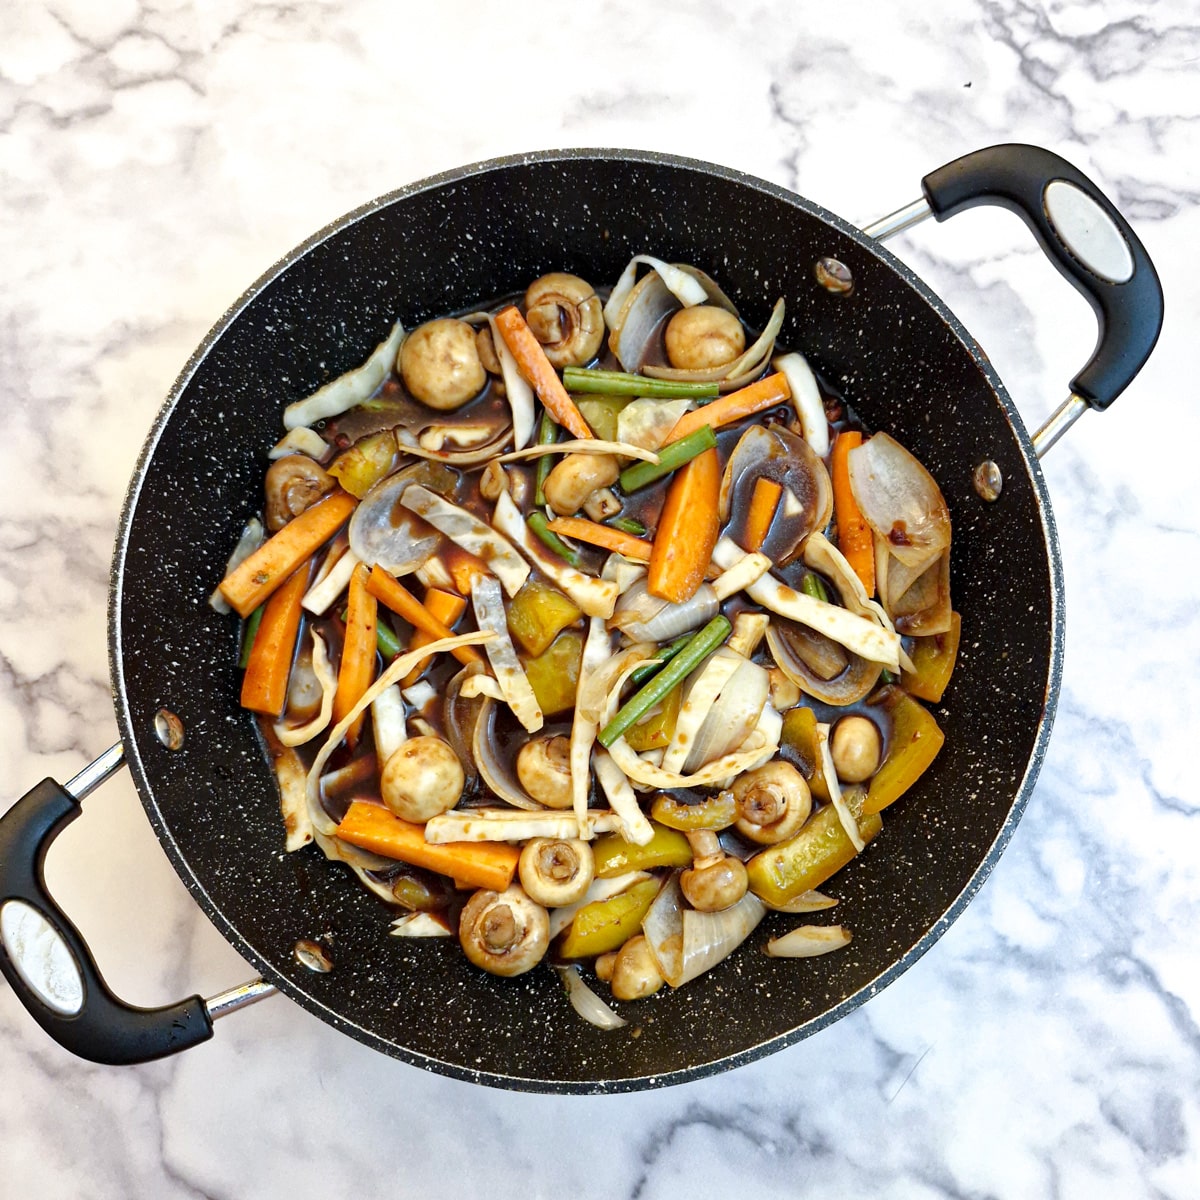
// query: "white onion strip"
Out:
[585,1002]
[849,824]
[501,654]
[741,575]
[349,389]
[327,678]
[684,287]
[325,591]
[808,941]
[389,723]
[633,826]
[582,446]
[806,399]
[520,394]
[299,441]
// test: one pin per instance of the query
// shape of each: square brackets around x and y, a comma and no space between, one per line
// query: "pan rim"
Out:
[230,929]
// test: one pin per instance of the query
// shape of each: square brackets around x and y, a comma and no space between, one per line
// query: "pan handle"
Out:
[64,990]
[1086,239]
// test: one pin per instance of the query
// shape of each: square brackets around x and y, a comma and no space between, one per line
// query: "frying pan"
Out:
[870,327]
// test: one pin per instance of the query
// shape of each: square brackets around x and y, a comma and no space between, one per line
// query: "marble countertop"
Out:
[156,157]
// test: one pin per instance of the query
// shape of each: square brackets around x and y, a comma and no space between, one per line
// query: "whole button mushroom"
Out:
[422,779]
[544,769]
[439,363]
[702,337]
[856,749]
[564,313]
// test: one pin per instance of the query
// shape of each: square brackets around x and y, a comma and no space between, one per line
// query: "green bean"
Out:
[249,631]
[699,646]
[659,661]
[539,525]
[811,585]
[547,435]
[670,458]
[387,642]
[627,525]
[618,383]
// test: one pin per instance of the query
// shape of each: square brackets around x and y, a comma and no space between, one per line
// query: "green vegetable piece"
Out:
[608,924]
[541,527]
[249,633]
[799,740]
[661,658]
[811,585]
[547,436]
[780,873]
[713,812]
[913,744]
[614,855]
[699,646]
[387,642]
[618,383]
[670,458]
[554,676]
[933,657]
[537,614]
[628,525]
[601,413]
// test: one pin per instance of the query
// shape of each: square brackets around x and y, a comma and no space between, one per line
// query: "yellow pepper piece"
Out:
[608,924]
[366,462]
[601,413]
[933,657]
[658,728]
[780,873]
[614,855]
[800,737]
[537,614]
[913,744]
[554,676]
[713,812]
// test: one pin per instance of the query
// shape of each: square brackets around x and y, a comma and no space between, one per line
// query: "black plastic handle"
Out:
[1129,310]
[105,1029]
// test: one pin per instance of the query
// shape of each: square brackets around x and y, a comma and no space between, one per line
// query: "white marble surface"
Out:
[155,157]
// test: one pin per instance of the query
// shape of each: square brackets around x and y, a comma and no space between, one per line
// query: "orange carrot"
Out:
[603,536]
[250,584]
[766,393]
[536,368]
[400,600]
[445,607]
[488,865]
[763,503]
[853,533]
[687,530]
[356,672]
[265,683]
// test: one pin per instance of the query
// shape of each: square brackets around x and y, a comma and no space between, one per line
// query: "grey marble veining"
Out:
[156,158]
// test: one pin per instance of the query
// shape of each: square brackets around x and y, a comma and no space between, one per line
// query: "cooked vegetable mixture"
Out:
[587,631]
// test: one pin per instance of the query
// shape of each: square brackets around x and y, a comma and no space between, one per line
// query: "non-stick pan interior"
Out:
[441,246]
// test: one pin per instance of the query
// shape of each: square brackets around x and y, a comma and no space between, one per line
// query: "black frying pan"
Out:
[899,357]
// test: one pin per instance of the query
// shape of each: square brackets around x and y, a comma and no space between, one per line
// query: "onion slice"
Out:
[420,925]
[585,1002]
[845,816]
[582,446]
[683,285]
[633,826]
[806,399]
[388,723]
[299,441]
[510,675]
[808,941]
[520,394]
[327,678]
[344,392]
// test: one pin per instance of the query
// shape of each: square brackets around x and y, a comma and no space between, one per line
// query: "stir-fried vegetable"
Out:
[661,717]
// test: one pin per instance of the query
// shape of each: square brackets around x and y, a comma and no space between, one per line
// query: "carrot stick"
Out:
[755,397]
[536,368]
[445,607]
[763,504]
[853,533]
[265,683]
[250,584]
[488,865]
[356,672]
[602,535]
[687,530]
[400,600]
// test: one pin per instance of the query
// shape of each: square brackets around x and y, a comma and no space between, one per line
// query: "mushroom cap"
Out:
[505,933]
[566,316]
[293,483]
[703,336]
[422,779]
[439,363]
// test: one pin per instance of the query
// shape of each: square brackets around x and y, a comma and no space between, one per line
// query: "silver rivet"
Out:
[314,956]
[834,276]
[989,483]
[168,728]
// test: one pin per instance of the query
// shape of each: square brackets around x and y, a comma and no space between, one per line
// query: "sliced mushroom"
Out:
[556,871]
[505,933]
[440,365]
[778,454]
[773,803]
[565,315]
[294,484]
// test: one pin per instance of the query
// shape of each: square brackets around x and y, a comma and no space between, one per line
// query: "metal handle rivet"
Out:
[834,276]
[988,480]
[168,728]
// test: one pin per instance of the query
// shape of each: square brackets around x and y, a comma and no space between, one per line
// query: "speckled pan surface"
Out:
[441,245]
